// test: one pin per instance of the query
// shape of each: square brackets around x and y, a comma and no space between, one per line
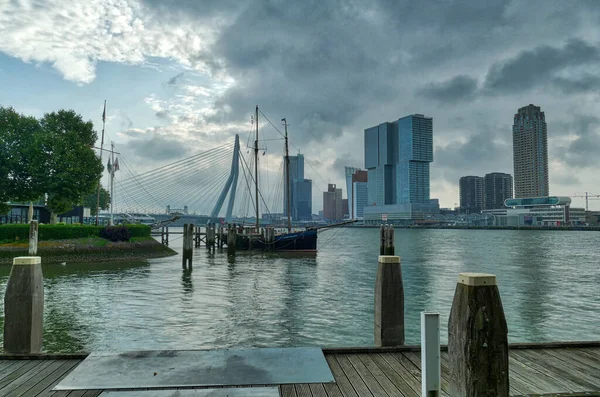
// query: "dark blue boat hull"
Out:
[305,240]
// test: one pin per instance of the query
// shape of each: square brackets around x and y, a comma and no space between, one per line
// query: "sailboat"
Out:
[297,241]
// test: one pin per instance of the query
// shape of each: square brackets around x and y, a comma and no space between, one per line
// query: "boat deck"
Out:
[544,369]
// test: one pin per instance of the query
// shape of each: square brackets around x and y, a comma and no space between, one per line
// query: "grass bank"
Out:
[87,250]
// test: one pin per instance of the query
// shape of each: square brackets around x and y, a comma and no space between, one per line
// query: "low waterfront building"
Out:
[538,211]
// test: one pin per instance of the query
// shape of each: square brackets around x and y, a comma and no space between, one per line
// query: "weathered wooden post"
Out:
[167,236]
[477,338]
[231,239]
[24,306]
[162,235]
[188,248]
[389,302]
[386,242]
[210,236]
[33,238]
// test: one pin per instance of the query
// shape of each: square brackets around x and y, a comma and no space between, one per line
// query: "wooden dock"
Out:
[553,369]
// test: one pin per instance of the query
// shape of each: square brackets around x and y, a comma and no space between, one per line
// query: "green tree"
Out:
[90,200]
[21,158]
[71,166]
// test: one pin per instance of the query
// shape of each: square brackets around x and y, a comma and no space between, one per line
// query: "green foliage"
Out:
[18,232]
[72,167]
[115,233]
[91,200]
[139,230]
[52,156]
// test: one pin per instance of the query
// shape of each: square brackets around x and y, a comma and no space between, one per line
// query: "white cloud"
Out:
[73,35]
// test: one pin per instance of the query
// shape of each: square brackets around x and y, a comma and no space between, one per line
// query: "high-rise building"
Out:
[530,153]
[349,171]
[359,193]
[397,157]
[498,187]
[300,190]
[345,212]
[332,203]
[471,194]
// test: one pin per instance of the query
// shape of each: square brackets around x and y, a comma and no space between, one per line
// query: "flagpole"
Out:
[101,150]
[112,178]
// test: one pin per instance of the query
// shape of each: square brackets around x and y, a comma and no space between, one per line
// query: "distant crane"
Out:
[587,197]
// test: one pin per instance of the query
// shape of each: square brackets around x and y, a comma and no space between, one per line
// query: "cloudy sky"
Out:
[181,76]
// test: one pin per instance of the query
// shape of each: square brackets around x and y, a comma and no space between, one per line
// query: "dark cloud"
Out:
[582,84]
[535,67]
[564,179]
[583,150]
[158,147]
[478,155]
[459,88]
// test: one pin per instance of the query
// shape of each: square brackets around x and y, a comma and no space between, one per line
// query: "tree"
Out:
[72,168]
[90,200]
[21,158]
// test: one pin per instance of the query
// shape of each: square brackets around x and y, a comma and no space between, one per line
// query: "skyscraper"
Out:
[359,194]
[300,190]
[471,194]
[332,203]
[349,172]
[397,157]
[530,153]
[497,188]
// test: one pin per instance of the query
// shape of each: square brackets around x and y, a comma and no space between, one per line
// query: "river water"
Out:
[549,282]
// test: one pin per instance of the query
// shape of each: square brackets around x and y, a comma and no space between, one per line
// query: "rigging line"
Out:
[273,125]
[259,193]
[187,158]
[248,185]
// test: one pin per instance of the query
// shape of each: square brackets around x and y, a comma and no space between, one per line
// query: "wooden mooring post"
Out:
[164,235]
[33,238]
[389,302]
[24,306]
[477,338]
[231,239]
[210,236]
[188,246]
[386,243]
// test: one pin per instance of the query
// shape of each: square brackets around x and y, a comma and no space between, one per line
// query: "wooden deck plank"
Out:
[406,375]
[16,375]
[382,378]
[540,383]
[561,381]
[36,379]
[332,390]
[415,358]
[355,379]
[12,366]
[573,371]
[25,375]
[367,376]
[317,390]
[303,390]
[402,383]
[43,388]
[589,354]
[287,391]
[340,377]
[580,357]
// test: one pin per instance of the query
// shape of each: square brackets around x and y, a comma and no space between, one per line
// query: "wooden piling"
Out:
[478,338]
[188,248]
[33,238]
[167,236]
[389,302]
[24,307]
[386,243]
[231,239]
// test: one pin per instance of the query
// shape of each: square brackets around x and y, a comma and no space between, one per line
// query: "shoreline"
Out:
[88,250]
[551,228]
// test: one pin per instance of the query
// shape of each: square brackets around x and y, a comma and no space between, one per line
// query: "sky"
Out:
[183,76]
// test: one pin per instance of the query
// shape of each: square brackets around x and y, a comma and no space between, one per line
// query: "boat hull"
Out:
[304,241]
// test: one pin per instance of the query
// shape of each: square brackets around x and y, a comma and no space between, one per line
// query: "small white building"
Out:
[538,211]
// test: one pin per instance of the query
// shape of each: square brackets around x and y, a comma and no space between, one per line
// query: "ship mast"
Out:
[287,177]
[256,169]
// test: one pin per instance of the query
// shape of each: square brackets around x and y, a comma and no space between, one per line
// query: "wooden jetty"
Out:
[540,369]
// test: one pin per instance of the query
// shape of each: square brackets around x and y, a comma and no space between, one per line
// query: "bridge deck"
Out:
[572,371]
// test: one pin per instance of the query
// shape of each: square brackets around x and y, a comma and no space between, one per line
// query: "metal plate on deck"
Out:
[198,368]
[228,392]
